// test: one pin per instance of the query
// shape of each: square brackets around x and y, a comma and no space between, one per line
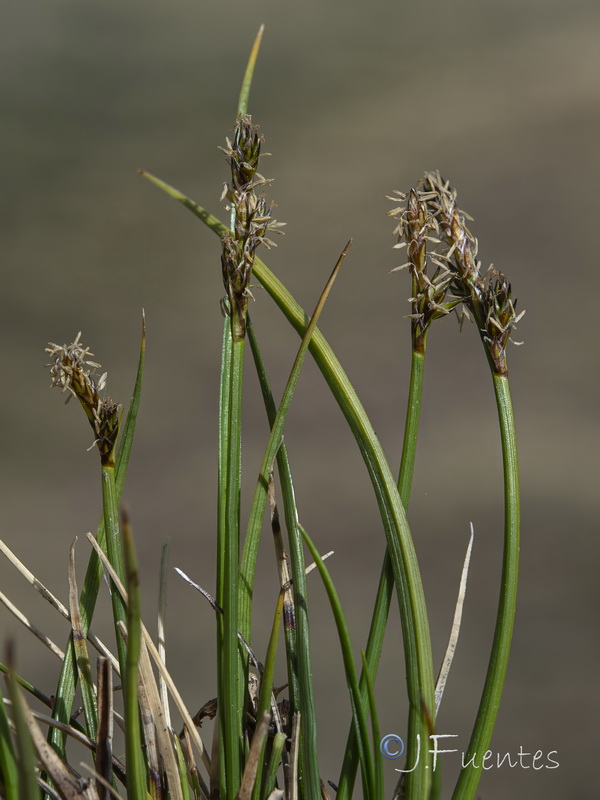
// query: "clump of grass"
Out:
[265,744]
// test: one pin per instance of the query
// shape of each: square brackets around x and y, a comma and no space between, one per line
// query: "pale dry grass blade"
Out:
[292,788]
[70,787]
[253,761]
[187,719]
[159,721]
[88,690]
[101,782]
[162,614]
[454,633]
[53,600]
[149,728]
[188,752]
[54,648]
[77,736]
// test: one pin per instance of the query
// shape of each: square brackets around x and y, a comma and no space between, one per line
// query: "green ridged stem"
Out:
[375,729]
[481,736]
[231,702]
[224,401]
[386,580]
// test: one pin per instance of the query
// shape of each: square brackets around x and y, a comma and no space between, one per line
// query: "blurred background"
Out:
[354,100]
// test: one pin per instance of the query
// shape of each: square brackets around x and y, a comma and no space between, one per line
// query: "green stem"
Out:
[231,703]
[386,579]
[359,712]
[291,519]
[224,404]
[310,773]
[481,736]
[296,630]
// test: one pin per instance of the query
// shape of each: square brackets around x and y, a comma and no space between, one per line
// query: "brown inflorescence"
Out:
[72,371]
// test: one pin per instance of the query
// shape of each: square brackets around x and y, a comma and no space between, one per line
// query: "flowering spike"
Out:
[68,371]
[415,226]
[432,208]
[253,221]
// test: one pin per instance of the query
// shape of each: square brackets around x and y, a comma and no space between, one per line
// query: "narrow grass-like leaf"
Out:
[291,518]
[65,690]
[68,785]
[184,786]
[223,471]
[110,504]
[187,719]
[266,689]
[279,741]
[79,736]
[454,633]
[29,687]
[310,771]
[292,784]
[86,681]
[358,713]
[105,727]
[26,758]
[481,736]
[407,578]
[231,699]
[254,761]
[249,74]
[199,793]
[386,580]
[9,771]
[377,760]
[136,770]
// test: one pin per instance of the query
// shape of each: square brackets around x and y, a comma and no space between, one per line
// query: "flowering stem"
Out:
[232,701]
[224,402]
[468,780]
[386,580]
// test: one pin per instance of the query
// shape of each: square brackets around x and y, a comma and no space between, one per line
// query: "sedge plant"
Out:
[265,738]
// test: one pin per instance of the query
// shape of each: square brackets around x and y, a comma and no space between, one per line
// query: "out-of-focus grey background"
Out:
[355,100]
